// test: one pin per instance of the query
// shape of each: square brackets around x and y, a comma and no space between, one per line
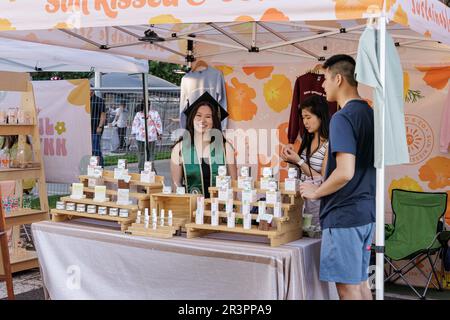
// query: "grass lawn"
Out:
[132,158]
[51,201]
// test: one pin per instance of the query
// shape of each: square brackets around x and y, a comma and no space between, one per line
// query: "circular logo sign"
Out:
[420,138]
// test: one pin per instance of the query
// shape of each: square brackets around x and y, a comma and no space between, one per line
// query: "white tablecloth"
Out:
[85,262]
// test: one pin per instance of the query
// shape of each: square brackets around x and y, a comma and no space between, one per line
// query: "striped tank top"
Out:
[316,159]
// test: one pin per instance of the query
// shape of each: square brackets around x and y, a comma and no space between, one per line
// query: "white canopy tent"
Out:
[23,56]
[240,33]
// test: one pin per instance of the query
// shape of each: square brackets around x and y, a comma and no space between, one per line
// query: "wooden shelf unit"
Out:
[143,198]
[63,215]
[21,82]
[285,229]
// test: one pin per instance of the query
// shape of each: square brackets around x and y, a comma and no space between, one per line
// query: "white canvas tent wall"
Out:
[239,33]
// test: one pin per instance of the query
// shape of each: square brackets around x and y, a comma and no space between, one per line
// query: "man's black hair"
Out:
[344,65]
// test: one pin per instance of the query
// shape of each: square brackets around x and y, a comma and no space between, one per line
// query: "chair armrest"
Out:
[388,230]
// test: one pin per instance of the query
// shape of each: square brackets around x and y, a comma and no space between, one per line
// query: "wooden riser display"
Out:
[143,198]
[64,215]
[181,205]
[283,230]
[166,232]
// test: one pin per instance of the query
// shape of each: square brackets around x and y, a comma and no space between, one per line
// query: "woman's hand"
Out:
[290,155]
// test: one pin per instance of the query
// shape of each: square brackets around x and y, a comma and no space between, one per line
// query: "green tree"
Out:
[62,75]
[165,70]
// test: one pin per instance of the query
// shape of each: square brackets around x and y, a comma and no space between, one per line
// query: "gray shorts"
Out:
[345,254]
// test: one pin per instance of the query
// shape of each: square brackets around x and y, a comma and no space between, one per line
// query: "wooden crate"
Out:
[138,229]
[142,197]
[181,205]
[283,230]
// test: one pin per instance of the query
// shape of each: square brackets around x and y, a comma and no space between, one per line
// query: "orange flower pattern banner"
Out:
[436,77]
[436,172]
[278,92]
[240,104]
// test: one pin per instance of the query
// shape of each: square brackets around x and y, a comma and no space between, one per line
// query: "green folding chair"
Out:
[415,235]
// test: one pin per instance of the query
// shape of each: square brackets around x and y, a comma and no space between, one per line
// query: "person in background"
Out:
[312,156]
[98,119]
[154,132]
[121,121]
[347,211]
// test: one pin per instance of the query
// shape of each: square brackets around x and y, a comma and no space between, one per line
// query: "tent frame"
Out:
[241,45]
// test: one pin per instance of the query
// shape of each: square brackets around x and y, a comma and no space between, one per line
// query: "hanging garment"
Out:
[367,72]
[305,86]
[196,83]
[154,126]
[444,140]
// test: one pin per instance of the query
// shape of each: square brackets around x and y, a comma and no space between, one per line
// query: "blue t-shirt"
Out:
[351,131]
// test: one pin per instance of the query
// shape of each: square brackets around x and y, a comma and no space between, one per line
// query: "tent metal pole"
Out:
[287,53]
[229,35]
[297,25]
[426,48]
[29,68]
[285,43]
[400,36]
[217,43]
[127,45]
[145,96]
[254,33]
[208,28]
[380,175]
[279,35]
[73,34]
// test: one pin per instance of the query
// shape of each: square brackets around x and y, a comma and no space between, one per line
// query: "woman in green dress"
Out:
[197,155]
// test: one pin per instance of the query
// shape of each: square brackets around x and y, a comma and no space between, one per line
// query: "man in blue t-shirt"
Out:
[347,212]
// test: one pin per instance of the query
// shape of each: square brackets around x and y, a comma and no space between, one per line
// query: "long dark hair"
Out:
[318,106]
[190,121]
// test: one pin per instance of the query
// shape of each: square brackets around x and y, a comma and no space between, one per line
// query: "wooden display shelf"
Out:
[284,206]
[135,195]
[25,216]
[165,232]
[63,215]
[23,260]
[108,176]
[20,173]
[191,227]
[108,204]
[181,205]
[258,189]
[16,129]
[282,230]
[222,214]
[276,238]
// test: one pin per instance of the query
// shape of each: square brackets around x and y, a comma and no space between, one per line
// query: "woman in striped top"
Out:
[313,154]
